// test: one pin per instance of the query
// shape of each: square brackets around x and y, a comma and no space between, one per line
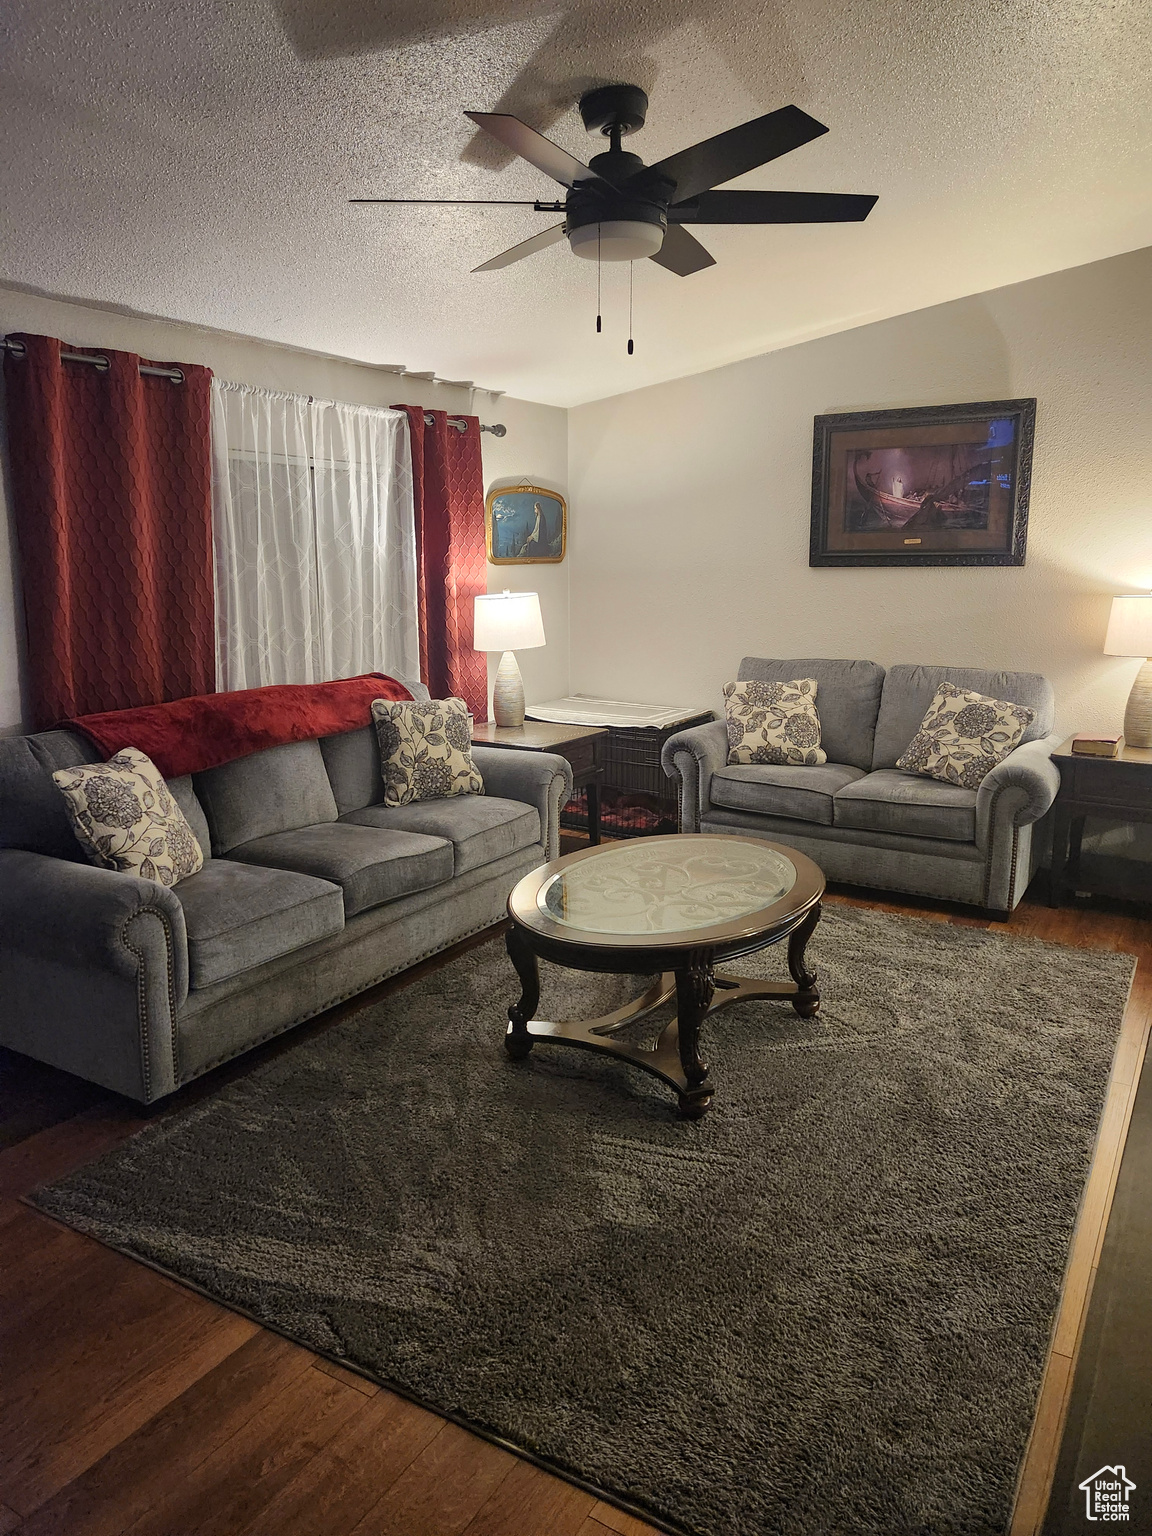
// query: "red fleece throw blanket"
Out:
[190,735]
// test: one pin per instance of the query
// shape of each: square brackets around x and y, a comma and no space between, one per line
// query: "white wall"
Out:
[536,450]
[535,447]
[689,501]
[689,546]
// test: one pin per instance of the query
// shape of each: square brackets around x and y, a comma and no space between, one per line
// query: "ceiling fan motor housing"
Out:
[606,224]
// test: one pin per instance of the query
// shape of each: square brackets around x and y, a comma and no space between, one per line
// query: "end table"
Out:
[582,745]
[1113,788]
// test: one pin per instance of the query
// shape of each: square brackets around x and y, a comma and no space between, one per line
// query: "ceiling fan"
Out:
[619,209]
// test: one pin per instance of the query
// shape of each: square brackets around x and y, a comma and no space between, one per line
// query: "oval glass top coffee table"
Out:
[676,905]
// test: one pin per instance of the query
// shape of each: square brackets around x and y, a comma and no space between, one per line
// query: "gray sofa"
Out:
[864,822]
[314,890]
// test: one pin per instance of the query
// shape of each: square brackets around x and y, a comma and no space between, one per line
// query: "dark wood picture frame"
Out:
[955,530]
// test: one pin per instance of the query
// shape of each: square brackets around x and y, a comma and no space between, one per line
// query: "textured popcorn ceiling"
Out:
[192,160]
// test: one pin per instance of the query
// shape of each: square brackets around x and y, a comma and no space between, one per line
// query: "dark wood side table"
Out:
[1114,788]
[582,745]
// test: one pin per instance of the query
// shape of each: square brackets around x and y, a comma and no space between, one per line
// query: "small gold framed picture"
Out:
[525,525]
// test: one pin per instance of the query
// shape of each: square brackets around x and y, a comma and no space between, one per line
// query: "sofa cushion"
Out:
[425,750]
[908,691]
[32,812]
[370,865]
[805,794]
[964,736]
[773,722]
[848,699]
[352,760]
[481,828]
[274,791]
[184,795]
[890,801]
[238,916]
[125,818]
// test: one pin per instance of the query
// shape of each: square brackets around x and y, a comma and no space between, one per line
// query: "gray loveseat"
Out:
[314,891]
[863,821]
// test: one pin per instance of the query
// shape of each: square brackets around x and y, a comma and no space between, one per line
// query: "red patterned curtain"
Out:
[452,566]
[111,481]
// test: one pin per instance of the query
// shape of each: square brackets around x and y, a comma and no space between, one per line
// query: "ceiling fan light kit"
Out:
[616,240]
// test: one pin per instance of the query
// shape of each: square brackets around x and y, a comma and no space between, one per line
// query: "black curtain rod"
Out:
[18,349]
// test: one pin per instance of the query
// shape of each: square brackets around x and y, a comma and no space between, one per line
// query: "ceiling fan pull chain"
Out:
[631,266]
[598,326]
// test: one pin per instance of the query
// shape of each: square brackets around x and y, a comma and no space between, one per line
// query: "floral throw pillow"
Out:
[773,723]
[963,736]
[125,819]
[425,750]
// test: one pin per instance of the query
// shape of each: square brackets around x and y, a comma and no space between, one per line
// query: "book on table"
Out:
[1086,745]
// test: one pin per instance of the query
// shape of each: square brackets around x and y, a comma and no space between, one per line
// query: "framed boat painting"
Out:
[525,525]
[941,485]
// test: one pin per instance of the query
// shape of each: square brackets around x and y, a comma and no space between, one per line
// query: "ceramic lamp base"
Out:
[1138,715]
[508,692]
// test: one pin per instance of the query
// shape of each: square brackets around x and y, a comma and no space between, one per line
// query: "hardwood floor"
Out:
[131,1405]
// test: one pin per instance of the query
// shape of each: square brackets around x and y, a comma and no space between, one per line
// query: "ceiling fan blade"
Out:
[730,154]
[534,147]
[539,242]
[468,202]
[774,208]
[682,253]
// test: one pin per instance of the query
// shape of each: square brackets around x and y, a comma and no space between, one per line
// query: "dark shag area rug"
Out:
[824,1308]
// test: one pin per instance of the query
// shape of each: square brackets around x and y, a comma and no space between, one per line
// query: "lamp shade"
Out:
[616,240]
[507,621]
[1130,626]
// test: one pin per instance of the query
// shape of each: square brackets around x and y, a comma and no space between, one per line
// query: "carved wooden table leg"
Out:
[694,989]
[517,1041]
[807,999]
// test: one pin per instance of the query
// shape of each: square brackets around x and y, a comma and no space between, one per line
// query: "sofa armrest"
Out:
[691,758]
[542,779]
[1018,791]
[93,969]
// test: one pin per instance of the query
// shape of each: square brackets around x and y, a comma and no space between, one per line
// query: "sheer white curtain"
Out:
[315,539]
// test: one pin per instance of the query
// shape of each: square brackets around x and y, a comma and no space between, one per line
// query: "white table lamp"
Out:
[1130,634]
[508,621]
